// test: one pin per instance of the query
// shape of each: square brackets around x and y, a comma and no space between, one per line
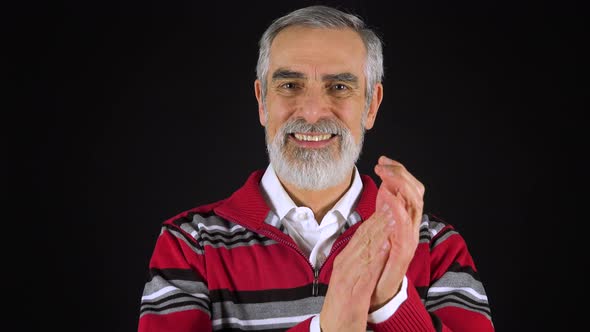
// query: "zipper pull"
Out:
[315,287]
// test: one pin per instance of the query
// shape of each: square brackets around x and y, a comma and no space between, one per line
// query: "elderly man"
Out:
[309,243]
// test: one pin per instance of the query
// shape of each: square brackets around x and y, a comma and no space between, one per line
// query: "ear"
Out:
[374,106]
[258,92]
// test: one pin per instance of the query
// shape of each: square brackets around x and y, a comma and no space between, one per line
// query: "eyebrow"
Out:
[342,77]
[282,73]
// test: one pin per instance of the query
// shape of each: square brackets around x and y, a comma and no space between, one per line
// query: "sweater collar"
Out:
[248,207]
[281,203]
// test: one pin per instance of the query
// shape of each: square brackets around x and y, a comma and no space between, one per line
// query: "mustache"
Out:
[323,126]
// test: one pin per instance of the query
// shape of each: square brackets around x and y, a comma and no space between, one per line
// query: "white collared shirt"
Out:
[313,238]
[316,239]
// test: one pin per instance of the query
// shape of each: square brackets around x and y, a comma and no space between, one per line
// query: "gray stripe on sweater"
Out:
[228,324]
[182,237]
[159,284]
[463,305]
[217,232]
[459,280]
[257,315]
[425,235]
[255,241]
[441,239]
[212,220]
[248,311]
[458,289]
[174,296]
[148,309]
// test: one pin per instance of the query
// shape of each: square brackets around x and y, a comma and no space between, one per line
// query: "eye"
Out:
[339,87]
[288,85]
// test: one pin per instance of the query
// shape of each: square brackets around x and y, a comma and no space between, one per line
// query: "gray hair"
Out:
[329,18]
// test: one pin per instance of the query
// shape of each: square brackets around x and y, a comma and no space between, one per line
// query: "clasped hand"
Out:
[369,271]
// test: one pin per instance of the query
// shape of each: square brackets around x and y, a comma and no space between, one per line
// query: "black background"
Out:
[136,111]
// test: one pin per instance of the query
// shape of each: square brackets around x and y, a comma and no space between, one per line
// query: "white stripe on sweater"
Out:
[452,289]
[169,289]
[255,322]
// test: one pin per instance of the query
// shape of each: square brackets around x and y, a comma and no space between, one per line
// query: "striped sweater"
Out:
[222,266]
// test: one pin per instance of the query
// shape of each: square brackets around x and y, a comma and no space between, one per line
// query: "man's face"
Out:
[315,97]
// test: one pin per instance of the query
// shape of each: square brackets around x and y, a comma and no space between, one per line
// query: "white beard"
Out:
[310,168]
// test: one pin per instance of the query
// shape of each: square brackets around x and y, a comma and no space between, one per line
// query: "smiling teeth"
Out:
[314,138]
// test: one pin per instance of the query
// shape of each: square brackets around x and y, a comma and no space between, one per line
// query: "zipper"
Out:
[289,244]
[315,287]
[316,271]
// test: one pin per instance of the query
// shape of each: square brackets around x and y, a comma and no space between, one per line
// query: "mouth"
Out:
[312,140]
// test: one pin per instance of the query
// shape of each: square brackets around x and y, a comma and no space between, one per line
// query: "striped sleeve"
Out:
[452,297]
[176,297]
[456,294]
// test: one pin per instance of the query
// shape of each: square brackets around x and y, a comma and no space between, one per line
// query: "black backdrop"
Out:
[135,111]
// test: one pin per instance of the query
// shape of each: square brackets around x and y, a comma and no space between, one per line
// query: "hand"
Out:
[405,195]
[356,271]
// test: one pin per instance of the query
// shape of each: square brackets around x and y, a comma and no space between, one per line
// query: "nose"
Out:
[314,105]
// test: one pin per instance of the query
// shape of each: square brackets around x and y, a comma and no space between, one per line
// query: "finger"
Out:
[397,167]
[412,211]
[396,184]
[399,186]
[384,197]
[403,218]
[403,239]
[404,236]
[385,161]
[399,210]
[400,173]
[396,177]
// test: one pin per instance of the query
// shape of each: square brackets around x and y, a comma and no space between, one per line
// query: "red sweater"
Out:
[222,267]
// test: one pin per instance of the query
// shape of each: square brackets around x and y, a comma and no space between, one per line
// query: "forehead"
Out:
[320,50]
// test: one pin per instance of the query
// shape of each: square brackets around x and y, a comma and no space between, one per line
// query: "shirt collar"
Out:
[281,203]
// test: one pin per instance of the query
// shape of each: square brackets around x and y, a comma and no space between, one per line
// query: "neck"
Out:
[319,201]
